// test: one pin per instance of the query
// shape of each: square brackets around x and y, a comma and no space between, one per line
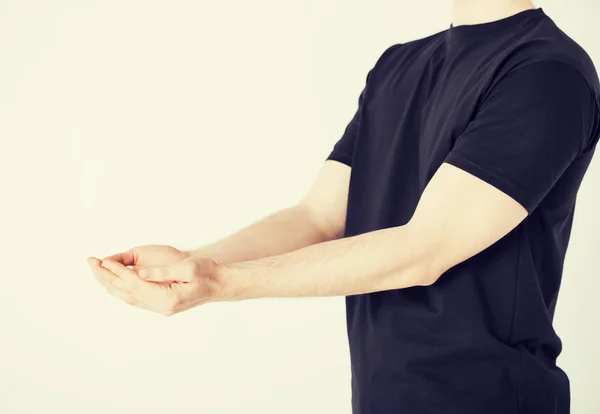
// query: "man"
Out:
[442,214]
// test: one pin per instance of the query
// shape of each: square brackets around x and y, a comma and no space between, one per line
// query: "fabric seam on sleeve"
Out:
[512,189]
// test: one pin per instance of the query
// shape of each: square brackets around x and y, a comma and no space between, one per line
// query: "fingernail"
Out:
[144,273]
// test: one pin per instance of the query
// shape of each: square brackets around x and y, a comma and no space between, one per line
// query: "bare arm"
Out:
[458,216]
[318,217]
[525,136]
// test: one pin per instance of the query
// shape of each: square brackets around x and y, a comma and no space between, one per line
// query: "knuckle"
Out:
[171,304]
[174,302]
[193,267]
[167,313]
[125,289]
[168,310]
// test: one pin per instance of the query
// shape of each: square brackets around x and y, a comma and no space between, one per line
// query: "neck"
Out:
[483,11]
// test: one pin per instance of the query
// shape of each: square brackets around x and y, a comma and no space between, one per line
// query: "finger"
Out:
[137,269]
[127,258]
[130,300]
[155,273]
[106,278]
[191,295]
[179,272]
[93,261]
[161,297]
[129,282]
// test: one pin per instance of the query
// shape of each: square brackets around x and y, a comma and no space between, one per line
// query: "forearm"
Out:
[284,231]
[385,259]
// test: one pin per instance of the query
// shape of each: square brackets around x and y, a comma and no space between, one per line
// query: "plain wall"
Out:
[135,122]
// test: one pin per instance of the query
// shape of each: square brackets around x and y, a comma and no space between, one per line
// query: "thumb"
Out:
[168,273]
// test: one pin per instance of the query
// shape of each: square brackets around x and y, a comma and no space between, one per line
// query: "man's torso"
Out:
[480,340]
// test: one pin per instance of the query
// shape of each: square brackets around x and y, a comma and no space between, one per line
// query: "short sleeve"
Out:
[529,128]
[344,147]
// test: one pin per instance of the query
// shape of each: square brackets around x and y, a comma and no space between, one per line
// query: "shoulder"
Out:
[402,54]
[410,47]
[545,45]
[546,55]
[548,62]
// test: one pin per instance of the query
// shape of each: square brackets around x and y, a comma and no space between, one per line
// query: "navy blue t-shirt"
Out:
[516,103]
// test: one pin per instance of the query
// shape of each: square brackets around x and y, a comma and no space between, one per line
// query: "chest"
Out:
[418,105]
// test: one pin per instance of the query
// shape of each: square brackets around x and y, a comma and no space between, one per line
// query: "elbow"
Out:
[437,264]
[324,228]
[427,267]
[419,273]
[428,273]
[428,254]
[430,278]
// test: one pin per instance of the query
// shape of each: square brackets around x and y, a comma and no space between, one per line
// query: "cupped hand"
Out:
[147,255]
[162,279]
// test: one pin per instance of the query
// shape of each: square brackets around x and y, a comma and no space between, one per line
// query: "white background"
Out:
[178,122]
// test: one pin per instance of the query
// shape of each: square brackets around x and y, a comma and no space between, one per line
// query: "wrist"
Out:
[210,250]
[232,280]
[194,253]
